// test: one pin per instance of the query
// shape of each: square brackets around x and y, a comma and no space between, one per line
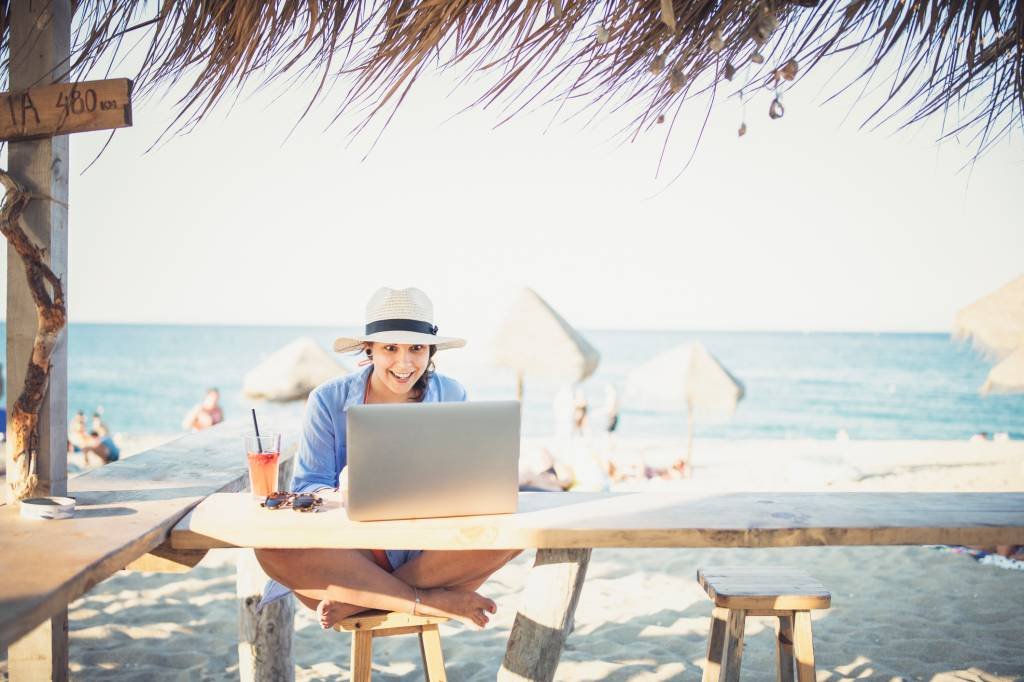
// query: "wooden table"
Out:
[564,527]
[124,514]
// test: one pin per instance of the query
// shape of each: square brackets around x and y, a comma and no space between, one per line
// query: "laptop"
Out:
[426,460]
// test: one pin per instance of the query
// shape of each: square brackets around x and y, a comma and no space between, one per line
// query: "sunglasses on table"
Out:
[301,502]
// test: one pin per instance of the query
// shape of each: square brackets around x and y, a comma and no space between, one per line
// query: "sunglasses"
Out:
[301,502]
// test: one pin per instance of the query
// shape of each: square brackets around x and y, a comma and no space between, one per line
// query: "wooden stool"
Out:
[740,591]
[367,626]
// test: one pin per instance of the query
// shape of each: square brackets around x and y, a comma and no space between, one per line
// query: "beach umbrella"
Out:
[291,372]
[685,377]
[995,325]
[1007,376]
[536,340]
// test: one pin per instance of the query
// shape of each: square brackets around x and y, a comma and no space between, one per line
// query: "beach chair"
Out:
[369,625]
[788,594]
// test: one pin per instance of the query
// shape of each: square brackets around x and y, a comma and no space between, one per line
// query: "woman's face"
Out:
[400,365]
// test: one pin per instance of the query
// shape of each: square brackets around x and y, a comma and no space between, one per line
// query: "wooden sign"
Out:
[65,108]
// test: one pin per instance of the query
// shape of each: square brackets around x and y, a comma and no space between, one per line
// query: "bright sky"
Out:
[806,223]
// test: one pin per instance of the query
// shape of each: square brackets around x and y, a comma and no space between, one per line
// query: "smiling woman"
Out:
[400,341]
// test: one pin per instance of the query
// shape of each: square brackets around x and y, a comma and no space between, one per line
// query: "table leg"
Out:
[545,615]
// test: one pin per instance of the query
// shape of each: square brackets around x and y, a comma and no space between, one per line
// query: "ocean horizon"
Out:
[799,384]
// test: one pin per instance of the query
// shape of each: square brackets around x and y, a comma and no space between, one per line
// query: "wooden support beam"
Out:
[40,38]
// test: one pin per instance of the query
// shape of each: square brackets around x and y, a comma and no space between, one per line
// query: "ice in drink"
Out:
[263,472]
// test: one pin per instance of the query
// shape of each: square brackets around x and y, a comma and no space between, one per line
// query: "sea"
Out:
[144,378]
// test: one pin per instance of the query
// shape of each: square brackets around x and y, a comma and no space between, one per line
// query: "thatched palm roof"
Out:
[965,59]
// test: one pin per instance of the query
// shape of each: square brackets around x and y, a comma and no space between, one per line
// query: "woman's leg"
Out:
[454,569]
[457,571]
[348,581]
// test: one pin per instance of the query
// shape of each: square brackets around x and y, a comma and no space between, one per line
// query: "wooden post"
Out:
[264,638]
[40,37]
[545,615]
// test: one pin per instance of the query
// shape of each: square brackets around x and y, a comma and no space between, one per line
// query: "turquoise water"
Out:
[917,386]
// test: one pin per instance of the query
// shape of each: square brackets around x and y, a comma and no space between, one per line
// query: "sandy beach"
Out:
[908,613]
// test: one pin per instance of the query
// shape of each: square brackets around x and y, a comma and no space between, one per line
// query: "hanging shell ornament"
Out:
[730,71]
[763,26]
[742,131]
[789,69]
[602,35]
[660,119]
[776,110]
[675,80]
[757,57]
[716,43]
[657,65]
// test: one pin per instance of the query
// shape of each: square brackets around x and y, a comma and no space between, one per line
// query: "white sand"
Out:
[897,612]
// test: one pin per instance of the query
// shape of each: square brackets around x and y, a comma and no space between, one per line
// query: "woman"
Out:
[400,341]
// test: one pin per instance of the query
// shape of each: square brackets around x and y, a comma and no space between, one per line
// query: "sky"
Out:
[809,222]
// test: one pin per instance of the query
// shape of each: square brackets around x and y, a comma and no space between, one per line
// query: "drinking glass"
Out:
[263,451]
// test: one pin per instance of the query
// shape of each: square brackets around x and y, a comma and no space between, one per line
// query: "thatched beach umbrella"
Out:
[1007,376]
[291,372]
[687,377]
[537,341]
[995,325]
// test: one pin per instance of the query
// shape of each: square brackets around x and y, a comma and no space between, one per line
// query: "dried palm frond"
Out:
[964,57]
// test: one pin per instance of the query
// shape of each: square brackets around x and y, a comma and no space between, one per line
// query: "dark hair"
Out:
[419,389]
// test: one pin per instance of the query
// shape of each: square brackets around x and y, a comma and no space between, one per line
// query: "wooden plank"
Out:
[430,652]
[545,616]
[732,658]
[716,646]
[776,588]
[40,37]
[584,520]
[164,559]
[124,510]
[64,108]
[375,620]
[362,656]
[803,648]
[784,648]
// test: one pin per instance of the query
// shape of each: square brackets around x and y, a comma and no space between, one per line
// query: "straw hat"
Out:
[399,316]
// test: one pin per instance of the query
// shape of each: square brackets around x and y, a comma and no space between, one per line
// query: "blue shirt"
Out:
[323,450]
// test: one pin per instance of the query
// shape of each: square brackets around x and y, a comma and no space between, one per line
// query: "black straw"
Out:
[255,425]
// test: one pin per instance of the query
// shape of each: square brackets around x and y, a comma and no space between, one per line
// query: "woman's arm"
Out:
[315,466]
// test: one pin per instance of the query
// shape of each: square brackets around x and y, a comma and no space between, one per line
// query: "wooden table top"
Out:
[123,510]
[568,520]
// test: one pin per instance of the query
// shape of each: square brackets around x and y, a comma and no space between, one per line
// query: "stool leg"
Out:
[716,645]
[784,647]
[802,647]
[362,655]
[430,650]
[734,645]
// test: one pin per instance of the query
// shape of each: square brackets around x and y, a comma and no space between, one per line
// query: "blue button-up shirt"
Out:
[323,450]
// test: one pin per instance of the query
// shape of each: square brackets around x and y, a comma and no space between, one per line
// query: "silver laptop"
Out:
[427,460]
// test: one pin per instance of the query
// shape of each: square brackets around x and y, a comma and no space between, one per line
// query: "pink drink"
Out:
[263,472]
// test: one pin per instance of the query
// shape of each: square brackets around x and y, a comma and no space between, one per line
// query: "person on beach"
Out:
[77,433]
[101,446]
[205,414]
[399,342]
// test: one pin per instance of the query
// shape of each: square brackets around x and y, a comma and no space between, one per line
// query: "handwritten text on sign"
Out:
[65,108]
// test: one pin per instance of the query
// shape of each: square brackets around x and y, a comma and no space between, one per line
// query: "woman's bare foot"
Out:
[469,607]
[332,612]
